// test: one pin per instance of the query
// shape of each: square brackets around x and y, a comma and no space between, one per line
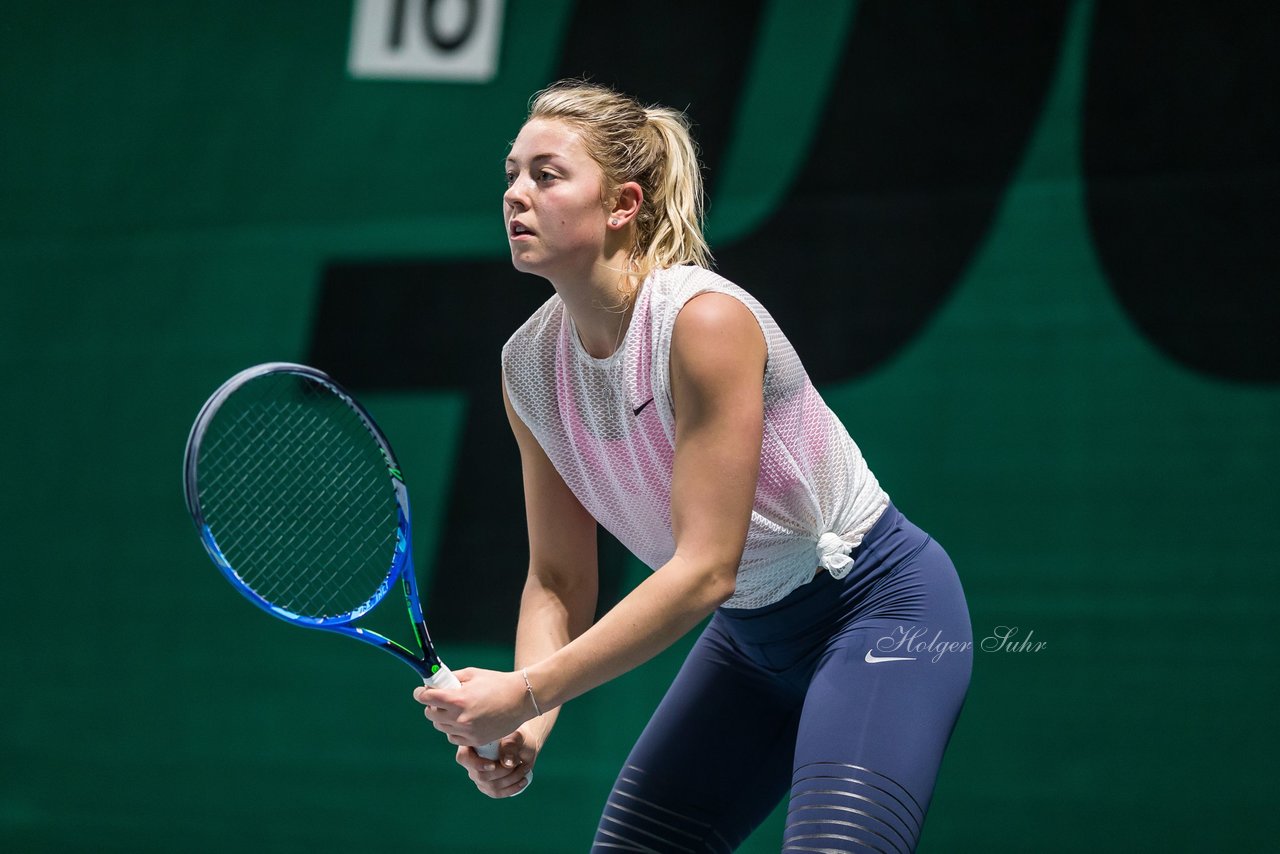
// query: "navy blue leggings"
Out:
[845,692]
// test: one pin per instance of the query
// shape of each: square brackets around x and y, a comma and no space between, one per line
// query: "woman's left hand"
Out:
[488,705]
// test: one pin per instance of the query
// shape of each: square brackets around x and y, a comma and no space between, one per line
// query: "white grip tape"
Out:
[444,678]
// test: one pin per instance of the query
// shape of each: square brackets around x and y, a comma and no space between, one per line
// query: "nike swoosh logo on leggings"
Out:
[875,659]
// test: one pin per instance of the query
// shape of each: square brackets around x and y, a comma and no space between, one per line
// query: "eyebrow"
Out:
[533,159]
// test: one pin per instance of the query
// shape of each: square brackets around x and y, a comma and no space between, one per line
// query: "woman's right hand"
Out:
[509,774]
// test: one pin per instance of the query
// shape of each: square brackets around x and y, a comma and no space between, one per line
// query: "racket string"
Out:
[336,486]
[298,496]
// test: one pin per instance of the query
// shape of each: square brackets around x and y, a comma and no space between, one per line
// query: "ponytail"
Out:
[674,235]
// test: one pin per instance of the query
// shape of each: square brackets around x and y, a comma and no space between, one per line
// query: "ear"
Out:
[626,205]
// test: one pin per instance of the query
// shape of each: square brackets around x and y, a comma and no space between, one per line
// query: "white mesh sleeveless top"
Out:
[608,426]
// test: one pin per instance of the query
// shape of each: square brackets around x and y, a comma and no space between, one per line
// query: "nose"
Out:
[515,196]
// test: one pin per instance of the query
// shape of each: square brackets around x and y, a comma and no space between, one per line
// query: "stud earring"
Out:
[613,222]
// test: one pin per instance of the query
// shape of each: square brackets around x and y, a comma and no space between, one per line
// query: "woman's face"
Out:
[553,208]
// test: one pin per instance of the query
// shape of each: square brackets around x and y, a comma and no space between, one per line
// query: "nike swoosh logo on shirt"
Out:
[641,407]
[875,659]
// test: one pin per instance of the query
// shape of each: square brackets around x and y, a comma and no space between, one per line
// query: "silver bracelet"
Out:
[529,688]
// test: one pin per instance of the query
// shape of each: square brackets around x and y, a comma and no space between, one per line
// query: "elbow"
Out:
[719,585]
[709,580]
[725,592]
[575,593]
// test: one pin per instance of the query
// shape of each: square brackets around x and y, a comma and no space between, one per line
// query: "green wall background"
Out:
[174,177]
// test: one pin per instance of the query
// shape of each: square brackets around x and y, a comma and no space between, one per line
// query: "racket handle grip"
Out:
[444,678]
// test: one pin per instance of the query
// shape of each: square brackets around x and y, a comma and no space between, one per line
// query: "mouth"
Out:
[517,230]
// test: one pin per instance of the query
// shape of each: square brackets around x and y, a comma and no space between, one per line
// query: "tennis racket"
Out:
[299,501]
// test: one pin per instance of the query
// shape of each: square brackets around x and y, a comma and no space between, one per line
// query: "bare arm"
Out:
[557,605]
[559,599]
[717,375]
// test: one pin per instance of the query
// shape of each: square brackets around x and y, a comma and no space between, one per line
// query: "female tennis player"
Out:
[654,397]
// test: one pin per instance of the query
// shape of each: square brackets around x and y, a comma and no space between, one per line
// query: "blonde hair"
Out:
[651,146]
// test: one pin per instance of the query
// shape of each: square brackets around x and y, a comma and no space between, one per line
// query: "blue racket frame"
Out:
[428,663]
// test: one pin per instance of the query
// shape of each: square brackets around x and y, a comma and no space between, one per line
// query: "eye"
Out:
[546,177]
[511,177]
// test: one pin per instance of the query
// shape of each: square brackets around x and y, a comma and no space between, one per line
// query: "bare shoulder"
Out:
[715,320]
[717,333]
[711,312]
